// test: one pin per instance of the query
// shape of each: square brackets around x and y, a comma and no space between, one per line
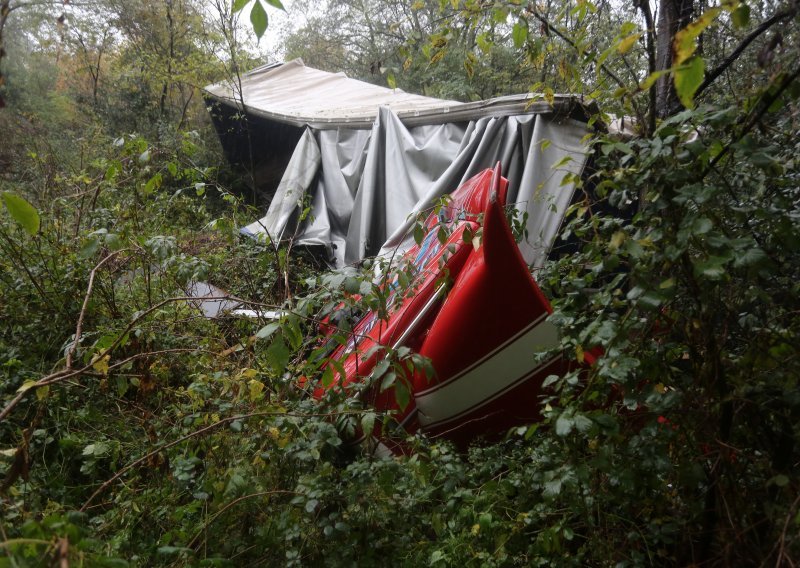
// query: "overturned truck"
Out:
[367,162]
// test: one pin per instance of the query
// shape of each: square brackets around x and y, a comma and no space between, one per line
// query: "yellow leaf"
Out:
[616,240]
[549,96]
[651,79]
[660,388]
[684,44]
[627,43]
[30,383]
[256,390]
[579,355]
[101,364]
[42,393]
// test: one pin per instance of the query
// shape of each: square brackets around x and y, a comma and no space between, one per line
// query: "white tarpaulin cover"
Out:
[371,157]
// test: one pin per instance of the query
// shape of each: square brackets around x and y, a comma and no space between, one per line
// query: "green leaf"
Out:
[153,184]
[258,17]
[89,248]
[701,226]
[388,380]
[712,268]
[276,4]
[519,34]
[441,234]
[484,42]
[327,377]
[688,79]
[582,423]
[22,212]
[419,233]
[379,369]
[780,480]
[500,15]
[352,285]
[741,16]
[238,5]
[401,394]
[650,300]
[552,488]
[564,425]
[267,331]
[750,257]
[368,422]
[278,356]
[391,81]
[112,170]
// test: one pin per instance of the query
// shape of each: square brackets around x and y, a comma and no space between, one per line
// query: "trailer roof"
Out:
[294,94]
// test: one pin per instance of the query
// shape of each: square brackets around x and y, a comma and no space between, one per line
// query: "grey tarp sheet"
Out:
[364,186]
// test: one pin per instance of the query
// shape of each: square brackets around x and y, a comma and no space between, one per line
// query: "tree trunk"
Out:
[5,10]
[673,15]
[171,55]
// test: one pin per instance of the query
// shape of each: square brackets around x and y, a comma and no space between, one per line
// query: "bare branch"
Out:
[712,76]
[79,326]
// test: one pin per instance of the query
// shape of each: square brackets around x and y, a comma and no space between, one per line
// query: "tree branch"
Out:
[760,110]
[712,76]
[79,326]
[531,9]
[644,6]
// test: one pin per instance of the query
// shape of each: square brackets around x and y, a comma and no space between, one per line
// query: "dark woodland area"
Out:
[136,432]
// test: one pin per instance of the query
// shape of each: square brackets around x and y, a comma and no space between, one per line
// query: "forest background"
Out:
[133,431]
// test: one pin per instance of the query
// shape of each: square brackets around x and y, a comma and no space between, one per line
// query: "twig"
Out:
[550,27]
[79,326]
[782,540]
[63,552]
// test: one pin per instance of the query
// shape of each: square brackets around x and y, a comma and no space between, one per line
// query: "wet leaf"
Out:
[688,79]
[22,212]
[258,17]
[627,43]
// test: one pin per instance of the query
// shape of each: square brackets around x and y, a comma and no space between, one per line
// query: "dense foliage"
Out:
[134,431]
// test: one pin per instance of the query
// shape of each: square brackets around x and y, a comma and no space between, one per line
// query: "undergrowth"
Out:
[135,431]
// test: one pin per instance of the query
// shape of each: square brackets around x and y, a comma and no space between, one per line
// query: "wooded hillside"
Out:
[136,432]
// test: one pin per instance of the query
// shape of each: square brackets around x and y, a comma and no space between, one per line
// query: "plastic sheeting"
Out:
[365,186]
